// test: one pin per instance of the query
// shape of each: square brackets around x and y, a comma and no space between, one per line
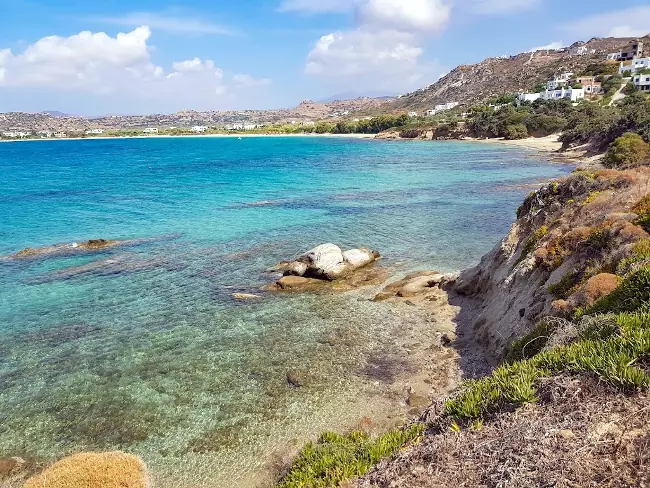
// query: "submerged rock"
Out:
[93,470]
[92,245]
[245,296]
[296,378]
[419,284]
[10,467]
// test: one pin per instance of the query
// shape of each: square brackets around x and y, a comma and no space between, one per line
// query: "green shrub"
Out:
[562,289]
[335,458]
[611,355]
[640,254]
[532,343]
[642,209]
[631,294]
[516,131]
[531,243]
[628,150]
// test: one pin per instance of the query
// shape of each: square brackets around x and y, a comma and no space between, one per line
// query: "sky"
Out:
[145,56]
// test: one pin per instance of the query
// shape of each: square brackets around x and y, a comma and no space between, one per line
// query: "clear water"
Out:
[149,352]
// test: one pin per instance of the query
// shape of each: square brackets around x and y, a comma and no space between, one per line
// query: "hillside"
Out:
[307,110]
[468,84]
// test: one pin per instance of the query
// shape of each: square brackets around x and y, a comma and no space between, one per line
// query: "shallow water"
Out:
[142,347]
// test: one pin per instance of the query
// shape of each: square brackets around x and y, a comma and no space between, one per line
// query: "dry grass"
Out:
[582,433]
[93,470]
[594,289]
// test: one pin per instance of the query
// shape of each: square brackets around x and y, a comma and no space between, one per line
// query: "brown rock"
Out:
[245,296]
[10,467]
[296,378]
[298,283]
[417,401]
[448,338]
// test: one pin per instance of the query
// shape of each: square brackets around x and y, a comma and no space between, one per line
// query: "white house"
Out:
[16,134]
[150,130]
[528,97]
[642,82]
[60,135]
[413,114]
[574,94]
[94,132]
[581,51]
[634,66]
[431,113]
[45,134]
[250,126]
[446,106]
[614,56]
[559,81]
[199,128]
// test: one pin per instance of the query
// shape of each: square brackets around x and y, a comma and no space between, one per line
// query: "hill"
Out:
[307,110]
[468,84]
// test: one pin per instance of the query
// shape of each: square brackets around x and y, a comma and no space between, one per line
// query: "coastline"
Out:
[196,136]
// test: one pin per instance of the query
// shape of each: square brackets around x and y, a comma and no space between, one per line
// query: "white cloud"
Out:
[317,6]
[247,81]
[371,60]
[421,15]
[497,7]
[119,66]
[630,22]
[170,23]
[359,51]
[550,46]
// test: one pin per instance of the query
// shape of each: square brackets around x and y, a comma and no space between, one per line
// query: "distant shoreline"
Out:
[165,136]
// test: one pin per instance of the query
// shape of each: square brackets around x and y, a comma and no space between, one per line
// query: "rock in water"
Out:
[324,262]
[93,470]
[358,258]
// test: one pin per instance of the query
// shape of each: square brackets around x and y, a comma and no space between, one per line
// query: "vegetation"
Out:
[642,209]
[628,150]
[335,458]
[611,356]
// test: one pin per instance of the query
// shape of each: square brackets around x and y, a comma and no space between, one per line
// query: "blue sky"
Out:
[152,57]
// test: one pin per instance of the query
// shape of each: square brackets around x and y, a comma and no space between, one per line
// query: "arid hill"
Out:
[468,84]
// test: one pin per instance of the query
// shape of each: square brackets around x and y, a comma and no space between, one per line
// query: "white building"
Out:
[413,114]
[614,56]
[528,97]
[45,134]
[94,132]
[431,113]
[16,134]
[642,82]
[634,66]
[60,135]
[574,94]
[199,128]
[559,81]
[581,51]
[150,130]
[446,106]
[250,126]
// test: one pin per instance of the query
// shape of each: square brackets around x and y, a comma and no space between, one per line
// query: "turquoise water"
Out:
[145,349]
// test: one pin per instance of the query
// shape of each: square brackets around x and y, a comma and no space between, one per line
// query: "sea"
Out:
[143,348]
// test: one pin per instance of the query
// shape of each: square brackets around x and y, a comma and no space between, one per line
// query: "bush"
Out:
[336,458]
[628,150]
[632,294]
[642,209]
[517,131]
[610,354]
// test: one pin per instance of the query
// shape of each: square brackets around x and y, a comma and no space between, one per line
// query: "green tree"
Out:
[628,150]
[516,131]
